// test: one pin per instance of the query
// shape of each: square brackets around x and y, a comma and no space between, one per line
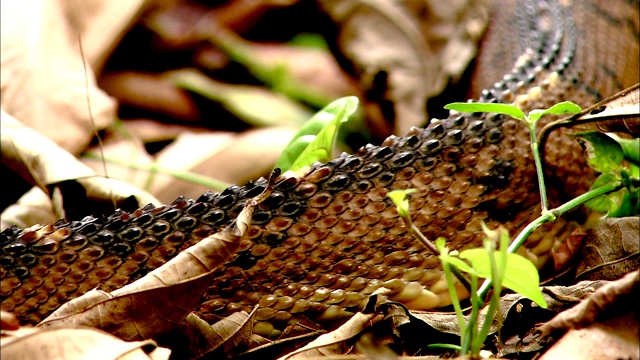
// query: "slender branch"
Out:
[550,216]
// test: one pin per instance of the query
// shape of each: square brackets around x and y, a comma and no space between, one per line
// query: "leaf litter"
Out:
[406,106]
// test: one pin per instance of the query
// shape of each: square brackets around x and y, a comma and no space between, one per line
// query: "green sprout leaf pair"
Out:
[566,107]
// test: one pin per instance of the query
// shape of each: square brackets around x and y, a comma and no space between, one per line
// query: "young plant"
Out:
[616,191]
[316,139]
[530,120]
[504,269]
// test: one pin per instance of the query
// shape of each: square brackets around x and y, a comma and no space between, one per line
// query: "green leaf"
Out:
[506,109]
[315,140]
[630,148]
[565,107]
[399,198]
[604,154]
[623,202]
[520,276]
[460,264]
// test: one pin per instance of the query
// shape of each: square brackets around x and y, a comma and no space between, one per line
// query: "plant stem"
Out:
[472,325]
[454,297]
[183,175]
[551,216]
[538,162]
[429,245]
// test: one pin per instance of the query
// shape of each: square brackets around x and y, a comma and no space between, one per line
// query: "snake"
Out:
[322,242]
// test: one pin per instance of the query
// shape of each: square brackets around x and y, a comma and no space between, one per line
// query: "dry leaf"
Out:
[41,162]
[603,326]
[610,250]
[236,159]
[43,79]
[158,302]
[619,113]
[612,339]
[333,343]
[70,344]
[605,298]
[232,333]
[405,52]
[150,92]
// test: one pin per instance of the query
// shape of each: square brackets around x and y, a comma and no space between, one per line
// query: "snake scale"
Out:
[322,242]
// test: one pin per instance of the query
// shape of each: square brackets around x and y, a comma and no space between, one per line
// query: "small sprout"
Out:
[399,198]
[565,107]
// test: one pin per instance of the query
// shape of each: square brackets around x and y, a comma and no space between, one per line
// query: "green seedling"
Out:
[315,140]
[505,269]
[530,120]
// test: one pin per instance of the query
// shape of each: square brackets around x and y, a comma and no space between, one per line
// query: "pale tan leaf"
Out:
[34,207]
[229,158]
[43,78]
[333,343]
[611,339]
[114,155]
[41,162]
[71,344]
[620,112]
[158,302]
[104,23]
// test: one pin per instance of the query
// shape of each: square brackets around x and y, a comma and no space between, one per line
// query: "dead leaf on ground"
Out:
[43,80]
[611,339]
[71,344]
[228,336]
[610,250]
[57,173]
[606,298]
[162,299]
[193,162]
[406,52]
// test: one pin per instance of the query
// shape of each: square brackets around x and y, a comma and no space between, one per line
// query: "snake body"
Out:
[322,242]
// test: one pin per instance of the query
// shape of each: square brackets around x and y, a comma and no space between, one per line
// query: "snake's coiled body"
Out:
[319,244]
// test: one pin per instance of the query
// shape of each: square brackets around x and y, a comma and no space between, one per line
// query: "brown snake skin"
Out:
[319,244]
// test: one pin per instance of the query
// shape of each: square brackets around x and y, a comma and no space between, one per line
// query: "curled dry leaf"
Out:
[603,326]
[417,46]
[43,80]
[81,343]
[334,342]
[232,334]
[161,300]
[618,113]
[608,297]
[41,162]
[610,250]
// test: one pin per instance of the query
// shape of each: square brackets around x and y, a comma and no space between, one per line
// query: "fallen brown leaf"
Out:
[610,250]
[405,52]
[161,300]
[41,162]
[71,344]
[605,298]
[44,83]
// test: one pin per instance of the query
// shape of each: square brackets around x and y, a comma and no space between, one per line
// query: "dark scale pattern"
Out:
[321,243]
